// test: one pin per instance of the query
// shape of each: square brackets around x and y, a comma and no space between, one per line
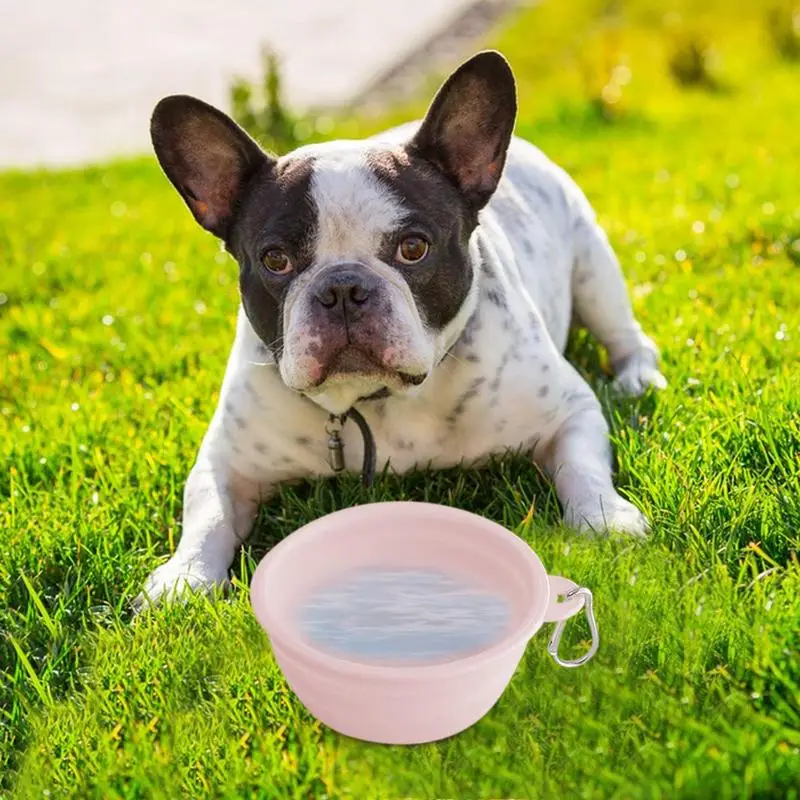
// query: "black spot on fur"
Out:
[496,299]
[471,329]
[542,194]
[464,399]
[240,422]
[498,374]
[543,391]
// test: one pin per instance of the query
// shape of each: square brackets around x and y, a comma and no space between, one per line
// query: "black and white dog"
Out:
[427,277]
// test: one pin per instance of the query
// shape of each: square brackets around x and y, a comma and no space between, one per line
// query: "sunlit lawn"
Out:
[116,318]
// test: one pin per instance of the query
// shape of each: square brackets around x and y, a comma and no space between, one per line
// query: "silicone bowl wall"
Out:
[400,712]
[398,704]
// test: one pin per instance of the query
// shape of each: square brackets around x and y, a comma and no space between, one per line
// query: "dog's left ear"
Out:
[468,127]
[207,157]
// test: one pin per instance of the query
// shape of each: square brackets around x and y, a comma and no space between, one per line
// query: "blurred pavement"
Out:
[78,79]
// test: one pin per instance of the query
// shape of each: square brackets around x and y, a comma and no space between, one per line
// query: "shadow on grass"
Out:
[503,490]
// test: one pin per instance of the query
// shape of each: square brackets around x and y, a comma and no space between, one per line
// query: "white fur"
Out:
[353,209]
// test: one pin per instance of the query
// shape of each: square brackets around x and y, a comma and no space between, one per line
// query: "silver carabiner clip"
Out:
[552,647]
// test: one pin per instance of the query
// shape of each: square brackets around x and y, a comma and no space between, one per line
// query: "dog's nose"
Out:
[344,288]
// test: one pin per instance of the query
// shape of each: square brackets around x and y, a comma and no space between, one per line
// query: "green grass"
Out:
[117,317]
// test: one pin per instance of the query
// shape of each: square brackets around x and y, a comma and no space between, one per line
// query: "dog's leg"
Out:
[578,459]
[602,305]
[218,512]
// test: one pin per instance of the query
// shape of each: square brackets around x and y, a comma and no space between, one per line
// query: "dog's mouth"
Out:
[353,363]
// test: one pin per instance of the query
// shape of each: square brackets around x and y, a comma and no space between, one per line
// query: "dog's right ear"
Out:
[207,157]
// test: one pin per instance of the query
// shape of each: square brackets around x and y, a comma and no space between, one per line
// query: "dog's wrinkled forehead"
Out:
[336,201]
[354,208]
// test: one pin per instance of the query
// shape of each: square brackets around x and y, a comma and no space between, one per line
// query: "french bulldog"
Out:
[426,277]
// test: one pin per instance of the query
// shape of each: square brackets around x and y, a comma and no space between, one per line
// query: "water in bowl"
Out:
[403,616]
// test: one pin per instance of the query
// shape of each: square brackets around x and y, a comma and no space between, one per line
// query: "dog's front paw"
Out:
[614,514]
[637,373]
[176,579]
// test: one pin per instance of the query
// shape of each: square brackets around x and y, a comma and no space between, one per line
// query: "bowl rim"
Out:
[285,638]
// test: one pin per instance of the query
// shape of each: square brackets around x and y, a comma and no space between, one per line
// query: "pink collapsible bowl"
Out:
[408,704]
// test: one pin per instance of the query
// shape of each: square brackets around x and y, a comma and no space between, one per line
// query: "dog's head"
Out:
[354,256]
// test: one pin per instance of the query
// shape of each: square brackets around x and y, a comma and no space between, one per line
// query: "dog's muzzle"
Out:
[348,310]
[351,329]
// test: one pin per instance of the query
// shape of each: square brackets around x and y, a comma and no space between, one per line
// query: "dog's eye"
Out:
[412,249]
[276,261]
